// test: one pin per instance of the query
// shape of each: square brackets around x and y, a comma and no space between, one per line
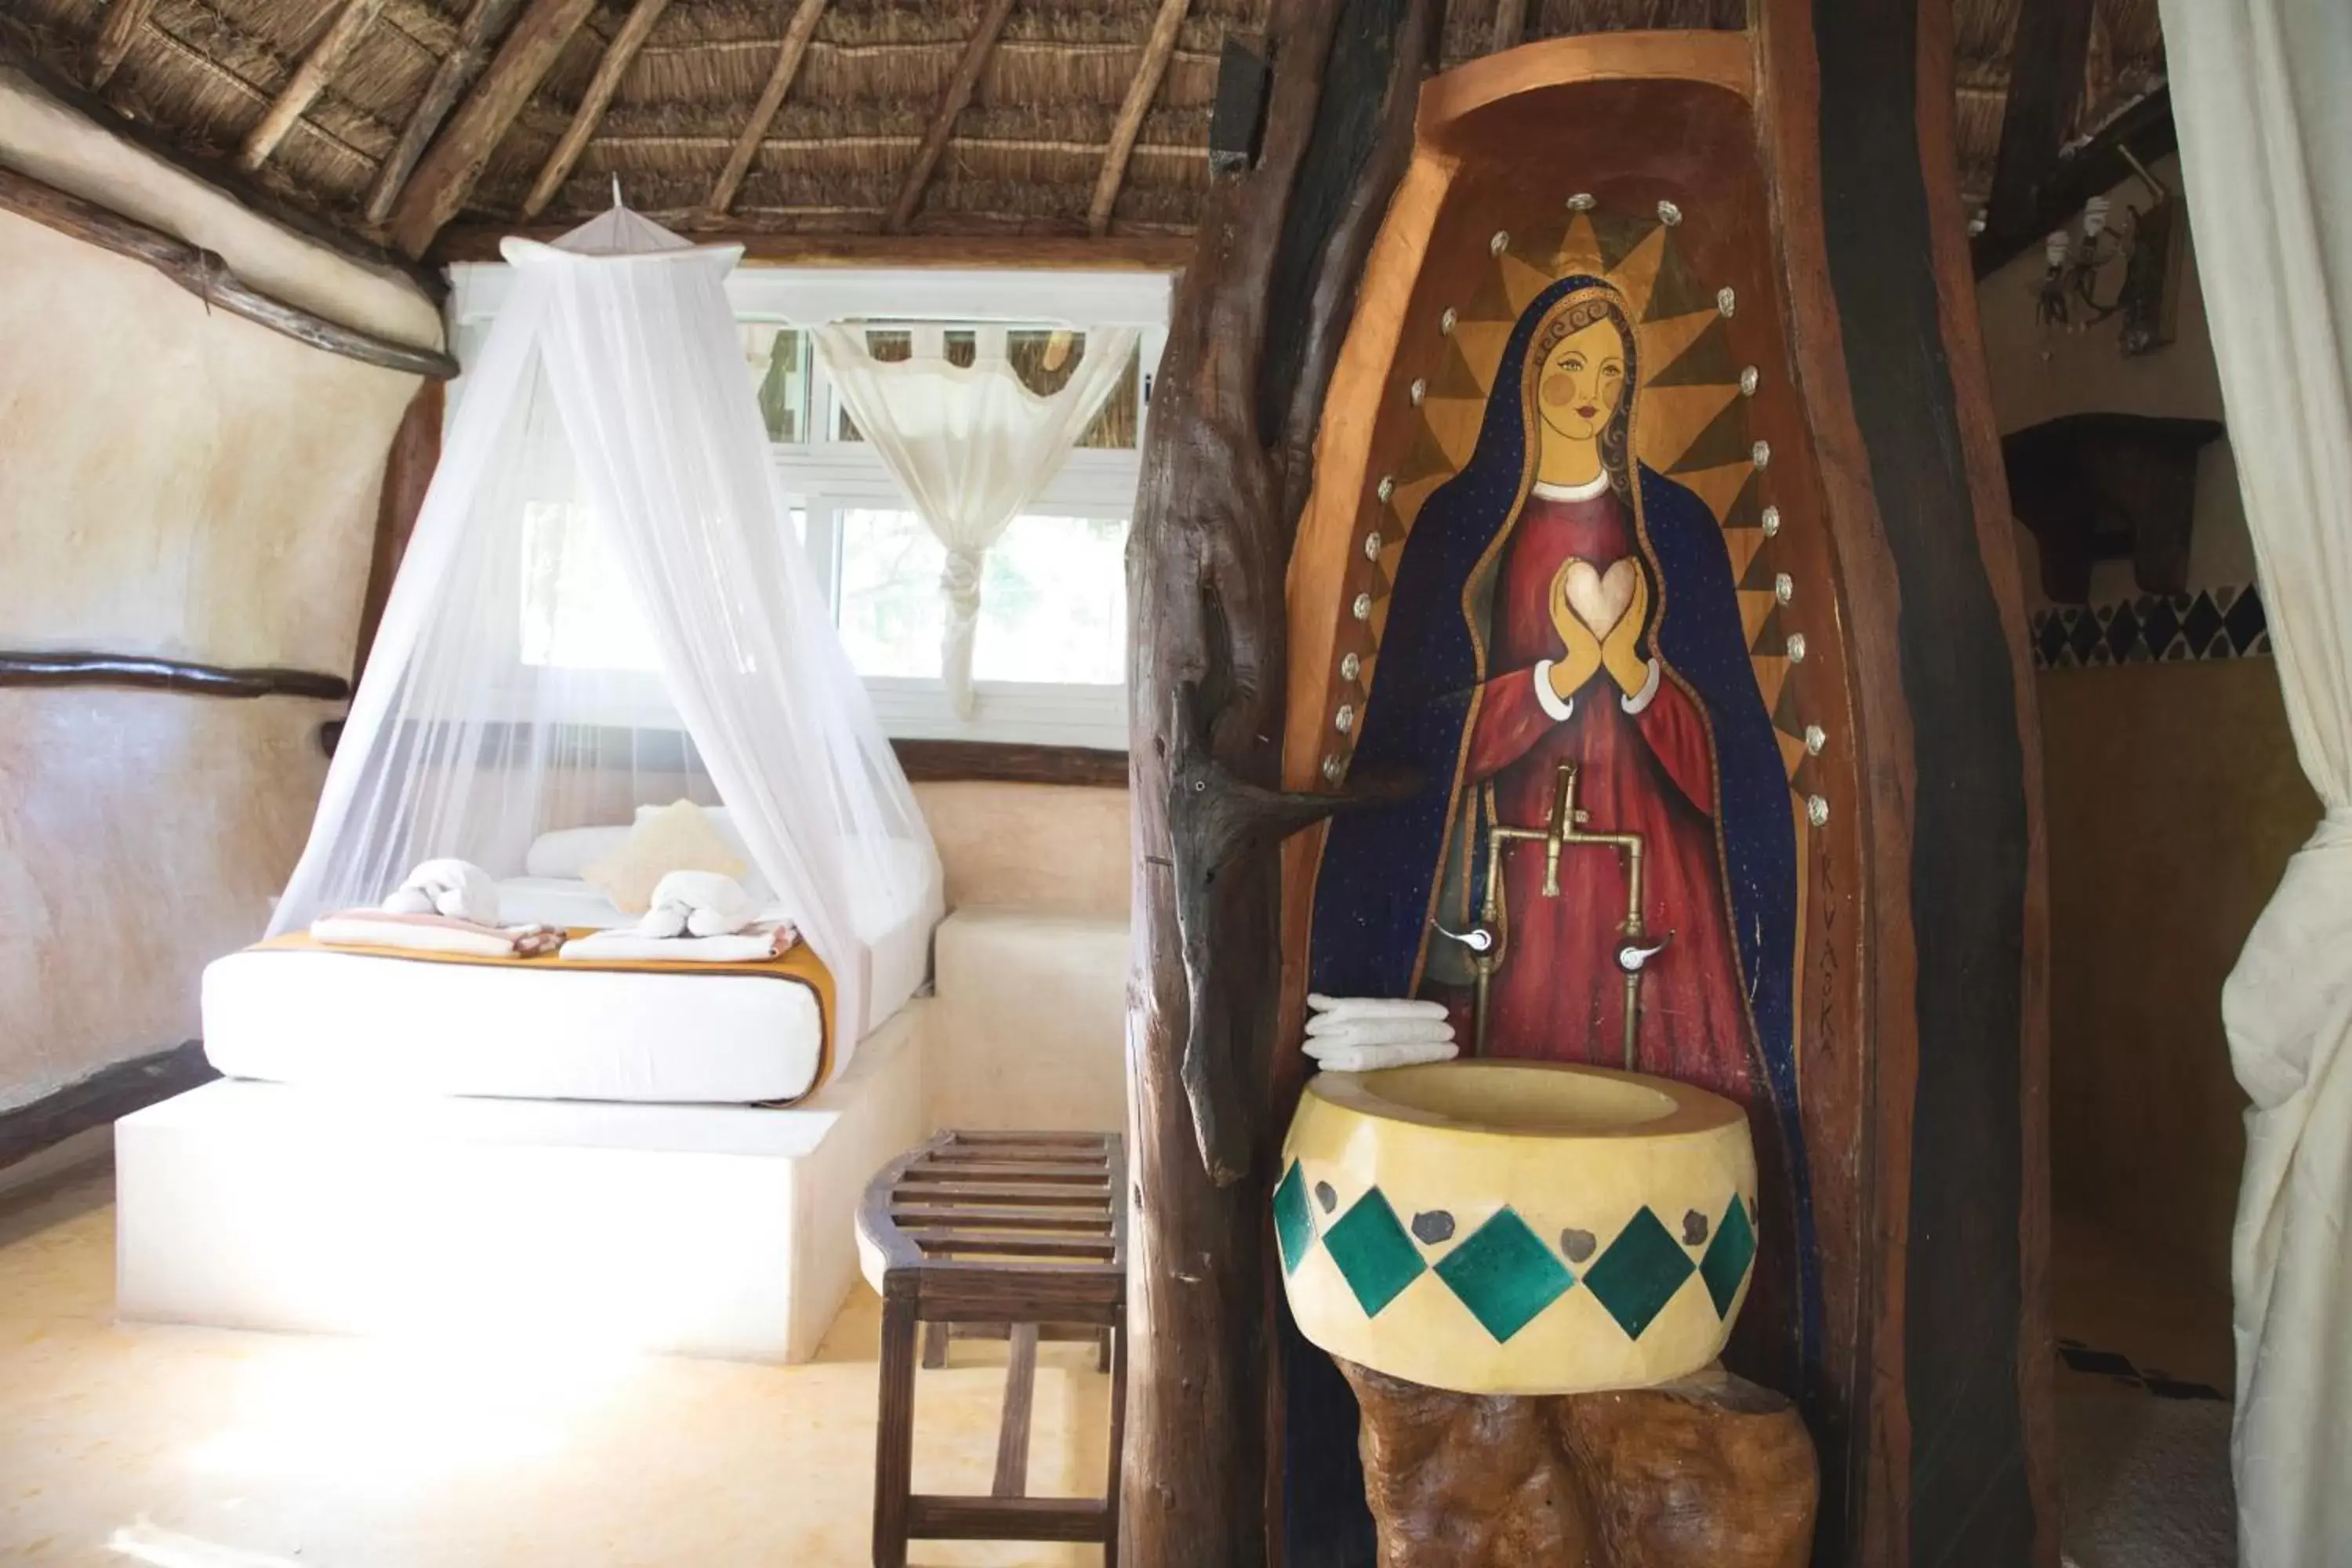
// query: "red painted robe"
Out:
[1644,764]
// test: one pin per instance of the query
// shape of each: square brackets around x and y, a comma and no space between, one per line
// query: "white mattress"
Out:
[355,1021]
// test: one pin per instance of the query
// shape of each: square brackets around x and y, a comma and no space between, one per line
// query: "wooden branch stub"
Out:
[1158,49]
[451,78]
[446,176]
[1237,118]
[951,106]
[1212,817]
[114,37]
[593,103]
[207,275]
[1711,1471]
[781,77]
[310,79]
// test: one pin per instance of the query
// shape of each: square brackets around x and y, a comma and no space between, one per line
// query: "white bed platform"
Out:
[719,1231]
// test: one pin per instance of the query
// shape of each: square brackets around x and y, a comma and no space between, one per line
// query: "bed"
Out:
[549,1029]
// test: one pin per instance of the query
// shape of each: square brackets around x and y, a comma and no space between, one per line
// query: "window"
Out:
[1049,650]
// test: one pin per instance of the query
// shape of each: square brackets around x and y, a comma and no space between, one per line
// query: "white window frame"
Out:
[825,476]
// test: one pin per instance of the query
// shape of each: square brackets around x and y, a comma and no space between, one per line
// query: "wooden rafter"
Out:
[446,176]
[451,78]
[1157,51]
[2046,82]
[1510,24]
[951,108]
[114,37]
[310,79]
[763,112]
[593,104]
[207,275]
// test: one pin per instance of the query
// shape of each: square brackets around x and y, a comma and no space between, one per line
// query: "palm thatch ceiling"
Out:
[391,119]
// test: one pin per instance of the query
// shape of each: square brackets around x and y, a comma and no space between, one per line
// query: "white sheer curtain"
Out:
[2262,94]
[970,445]
[602,606]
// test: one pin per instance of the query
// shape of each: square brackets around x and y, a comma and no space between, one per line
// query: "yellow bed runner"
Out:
[799,965]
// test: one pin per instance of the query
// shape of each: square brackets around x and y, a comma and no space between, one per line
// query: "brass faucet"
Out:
[1563,827]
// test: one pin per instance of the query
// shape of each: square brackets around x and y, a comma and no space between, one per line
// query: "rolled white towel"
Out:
[1373,1058]
[458,889]
[1341,1008]
[754,946]
[1380,1032]
[698,903]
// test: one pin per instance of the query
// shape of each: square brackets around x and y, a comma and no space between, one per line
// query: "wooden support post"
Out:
[787,67]
[451,78]
[1510,24]
[310,79]
[2045,82]
[1255,325]
[1158,49]
[1949,1436]
[407,475]
[446,176]
[935,139]
[593,103]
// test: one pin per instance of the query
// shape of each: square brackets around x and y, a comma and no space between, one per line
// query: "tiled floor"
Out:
[187,1447]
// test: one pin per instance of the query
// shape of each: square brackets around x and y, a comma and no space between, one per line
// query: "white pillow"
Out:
[565,854]
[719,818]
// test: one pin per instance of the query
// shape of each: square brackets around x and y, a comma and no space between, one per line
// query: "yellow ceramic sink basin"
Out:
[1517,1227]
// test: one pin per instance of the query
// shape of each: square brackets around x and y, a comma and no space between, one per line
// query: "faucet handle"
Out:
[1634,956]
[1477,939]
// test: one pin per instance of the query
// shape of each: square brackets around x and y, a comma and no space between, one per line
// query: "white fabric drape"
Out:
[2259,92]
[602,607]
[970,445]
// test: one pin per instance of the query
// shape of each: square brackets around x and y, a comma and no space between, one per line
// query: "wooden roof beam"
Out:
[115,36]
[763,112]
[951,108]
[2046,63]
[310,79]
[1158,49]
[593,104]
[446,175]
[451,78]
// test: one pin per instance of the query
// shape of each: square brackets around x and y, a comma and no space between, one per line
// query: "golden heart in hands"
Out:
[1600,599]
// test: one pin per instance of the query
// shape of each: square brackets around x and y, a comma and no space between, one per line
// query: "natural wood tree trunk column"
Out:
[1257,319]
[1709,1472]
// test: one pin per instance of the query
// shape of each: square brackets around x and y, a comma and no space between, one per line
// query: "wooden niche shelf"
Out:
[2107,487]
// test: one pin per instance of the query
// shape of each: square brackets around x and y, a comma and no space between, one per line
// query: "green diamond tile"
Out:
[1505,1275]
[1375,1256]
[1293,1219]
[1728,1256]
[1639,1273]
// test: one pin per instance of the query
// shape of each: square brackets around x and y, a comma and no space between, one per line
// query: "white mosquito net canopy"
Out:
[602,607]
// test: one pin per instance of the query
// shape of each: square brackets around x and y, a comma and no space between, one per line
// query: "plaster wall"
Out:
[185,484]
[2174,799]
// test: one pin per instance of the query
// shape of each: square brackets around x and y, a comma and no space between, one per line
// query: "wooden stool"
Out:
[973,1230]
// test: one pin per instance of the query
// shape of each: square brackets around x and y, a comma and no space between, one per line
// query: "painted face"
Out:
[1582,381]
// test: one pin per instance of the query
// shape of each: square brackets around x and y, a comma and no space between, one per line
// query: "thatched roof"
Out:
[1026,154]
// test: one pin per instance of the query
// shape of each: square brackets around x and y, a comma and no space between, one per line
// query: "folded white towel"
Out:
[626,946]
[430,933]
[1337,1008]
[1325,1024]
[458,889]
[1380,1032]
[698,903]
[1373,1058]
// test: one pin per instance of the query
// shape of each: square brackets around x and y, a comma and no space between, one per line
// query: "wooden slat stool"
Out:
[974,1232]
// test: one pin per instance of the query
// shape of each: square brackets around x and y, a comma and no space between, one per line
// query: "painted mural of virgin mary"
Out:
[1558,603]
